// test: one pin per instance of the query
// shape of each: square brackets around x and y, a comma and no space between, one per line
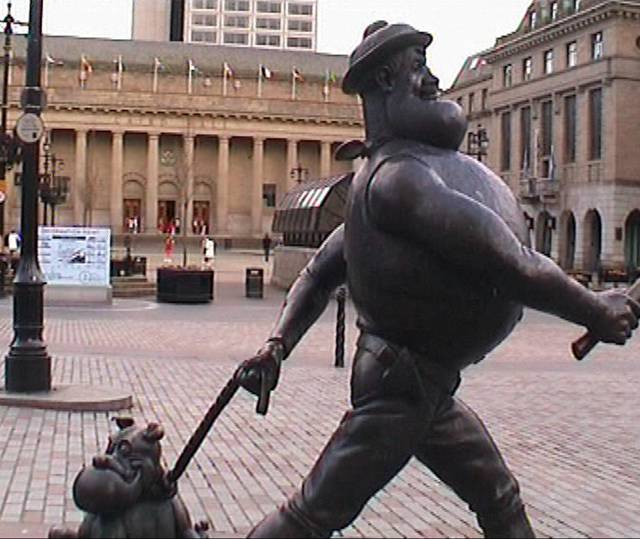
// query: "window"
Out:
[572,54]
[204,4]
[548,62]
[236,21]
[507,75]
[597,46]
[231,38]
[471,100]
[300,9]
[485,97]
[269,195]
[200,19]
[299,42]
[269,7]
[554,11]
[201,36]
[547,136]
[297,25]
[526,164]
[263,23]
[595,124]
[505,160]
[267,40]
[527,68]
[533,20]
[570,133]
[236,5]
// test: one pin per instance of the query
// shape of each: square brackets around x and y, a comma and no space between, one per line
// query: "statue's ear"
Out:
[153,432]
[124,422]
[384,78]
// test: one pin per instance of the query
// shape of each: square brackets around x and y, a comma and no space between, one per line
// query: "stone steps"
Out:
[132,287]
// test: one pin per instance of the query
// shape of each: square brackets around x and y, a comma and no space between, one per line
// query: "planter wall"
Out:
[176,285]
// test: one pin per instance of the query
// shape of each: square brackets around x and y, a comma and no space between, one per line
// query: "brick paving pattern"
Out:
[569,431]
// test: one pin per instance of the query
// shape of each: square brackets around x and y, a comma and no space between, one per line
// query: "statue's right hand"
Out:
[265,365]
[618,318]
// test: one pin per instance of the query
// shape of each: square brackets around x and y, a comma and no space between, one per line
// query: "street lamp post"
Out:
[8,145]
[477,143]
[299,174]
[28,365]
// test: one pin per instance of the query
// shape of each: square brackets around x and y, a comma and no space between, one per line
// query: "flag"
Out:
[552,165]
[226,73]
[526,172]
[193,70]
[330,78]
[296,77]
[49,63]
[118,69]
[263,73]
[157,66]
[85,70]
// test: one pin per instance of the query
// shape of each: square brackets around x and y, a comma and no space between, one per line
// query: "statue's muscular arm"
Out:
[409,199]
[310,293]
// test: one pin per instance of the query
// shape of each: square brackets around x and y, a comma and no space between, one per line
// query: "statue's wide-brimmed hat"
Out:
[379,42]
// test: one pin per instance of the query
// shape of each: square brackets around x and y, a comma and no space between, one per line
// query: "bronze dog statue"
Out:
[125,492]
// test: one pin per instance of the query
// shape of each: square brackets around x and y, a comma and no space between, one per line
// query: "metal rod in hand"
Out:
[341,295]
[203,429]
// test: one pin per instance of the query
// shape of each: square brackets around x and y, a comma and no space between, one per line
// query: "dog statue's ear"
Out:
[124,422]
[154,432]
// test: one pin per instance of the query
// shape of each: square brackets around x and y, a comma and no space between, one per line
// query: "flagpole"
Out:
[119,86]
[155,75]
[46,72]
[326,86]
[260,80]
[190,81]
[293,85]
[225,74]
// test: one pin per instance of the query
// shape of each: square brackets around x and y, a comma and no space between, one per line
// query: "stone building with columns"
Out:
[153,132]
[558,98]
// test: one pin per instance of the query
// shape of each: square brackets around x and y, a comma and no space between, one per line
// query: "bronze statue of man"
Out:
[435,253]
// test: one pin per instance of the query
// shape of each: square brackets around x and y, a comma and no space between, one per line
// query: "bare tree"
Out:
[183,169]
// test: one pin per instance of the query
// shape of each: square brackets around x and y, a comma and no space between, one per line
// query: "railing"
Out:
[539,189]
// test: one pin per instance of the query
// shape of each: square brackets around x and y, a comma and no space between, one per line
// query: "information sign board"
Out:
[75,255]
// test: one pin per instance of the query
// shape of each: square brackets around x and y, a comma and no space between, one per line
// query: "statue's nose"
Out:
[101,462]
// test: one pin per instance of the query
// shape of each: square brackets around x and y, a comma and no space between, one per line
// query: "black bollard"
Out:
[341,295]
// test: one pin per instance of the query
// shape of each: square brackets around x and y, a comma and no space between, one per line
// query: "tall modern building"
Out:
[279,24]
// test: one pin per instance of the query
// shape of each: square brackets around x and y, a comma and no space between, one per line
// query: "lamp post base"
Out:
[27,370]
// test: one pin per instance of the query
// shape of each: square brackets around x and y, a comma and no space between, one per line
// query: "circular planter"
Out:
[184,285]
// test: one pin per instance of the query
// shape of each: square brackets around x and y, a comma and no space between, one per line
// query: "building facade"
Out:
[274,24]
[558,101]
[143,139]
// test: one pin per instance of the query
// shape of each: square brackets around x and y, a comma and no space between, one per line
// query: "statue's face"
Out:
[414,110]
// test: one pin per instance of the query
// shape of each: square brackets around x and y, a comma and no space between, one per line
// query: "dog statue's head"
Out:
[129,472]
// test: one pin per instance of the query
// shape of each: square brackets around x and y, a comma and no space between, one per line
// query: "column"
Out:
[222,191]
[117,157]
[79,187]
[151,195]
[256,191]
[188,189]
[292,161]
[325,159]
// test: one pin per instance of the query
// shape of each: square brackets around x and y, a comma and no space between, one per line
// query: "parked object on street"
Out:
[125,491]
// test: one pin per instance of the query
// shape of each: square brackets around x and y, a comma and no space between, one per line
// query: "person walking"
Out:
[266,246]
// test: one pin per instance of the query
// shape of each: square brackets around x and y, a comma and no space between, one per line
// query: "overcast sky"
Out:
[460,27]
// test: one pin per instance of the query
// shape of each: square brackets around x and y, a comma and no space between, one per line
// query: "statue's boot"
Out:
[514,524]
[286,523]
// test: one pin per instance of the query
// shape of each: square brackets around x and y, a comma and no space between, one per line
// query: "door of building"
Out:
[132,209]
[166,214]
[200,217]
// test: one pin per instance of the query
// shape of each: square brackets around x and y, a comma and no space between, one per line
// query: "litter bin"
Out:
[254,282]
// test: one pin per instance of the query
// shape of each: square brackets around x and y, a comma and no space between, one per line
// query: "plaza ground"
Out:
[569,430]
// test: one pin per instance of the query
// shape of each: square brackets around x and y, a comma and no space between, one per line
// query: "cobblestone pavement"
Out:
[569,431]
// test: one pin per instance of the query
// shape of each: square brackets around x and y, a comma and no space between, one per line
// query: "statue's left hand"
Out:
[262,371]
